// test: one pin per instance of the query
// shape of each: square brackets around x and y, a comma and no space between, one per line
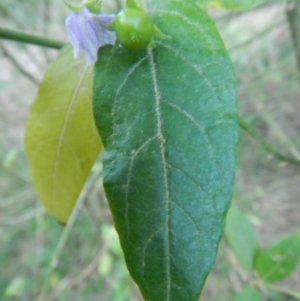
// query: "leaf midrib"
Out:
[63,130]
[161,141]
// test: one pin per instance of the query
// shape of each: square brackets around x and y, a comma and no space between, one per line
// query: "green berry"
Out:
[134,29]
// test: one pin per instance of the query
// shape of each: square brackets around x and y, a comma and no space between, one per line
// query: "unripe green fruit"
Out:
[134,29]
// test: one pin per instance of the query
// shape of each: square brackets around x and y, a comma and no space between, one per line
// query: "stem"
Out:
[9,14]
[294,23]
[132,3]
[46,21]
[18,66]
[268,147]
[119,5]
[23,37]
[257,36]
[284,291]
[68,283]
[66,234]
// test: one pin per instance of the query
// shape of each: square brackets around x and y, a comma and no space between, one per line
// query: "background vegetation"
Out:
[90,264]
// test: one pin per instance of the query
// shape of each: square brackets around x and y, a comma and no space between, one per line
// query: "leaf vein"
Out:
[164,163]
[47,112]
[190,23]
[127,186]
[194,67]
[190,219]
[41,144]
[63,130]
[125,80]
[146,246]
[196,124]
[190,179]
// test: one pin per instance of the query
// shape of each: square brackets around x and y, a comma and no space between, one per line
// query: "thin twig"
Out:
[294,24]
[66,233]
[120,4]
[268,147]
[11,15]
[284,291]
[46,21]
[18,66]
[281,135]
[29,38]
[257,36]
[82,276]
[22,218]
[236,275]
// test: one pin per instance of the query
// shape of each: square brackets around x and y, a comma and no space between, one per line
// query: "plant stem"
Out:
[19,66]
[69,283]
[119,4]
[66,233]
[45,24]
[23,37]
[294,23]
[268,147]
[257,36]
[284,291]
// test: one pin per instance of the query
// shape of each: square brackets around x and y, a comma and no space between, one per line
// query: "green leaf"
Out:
[105,264]
[74,7]
[167,118]
[241,236]
[248,293]
[93,6]
[230,4]
[15,288]
[279,261]
[61,139]
[10,158]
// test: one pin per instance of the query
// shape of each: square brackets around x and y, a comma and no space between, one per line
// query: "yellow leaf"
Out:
[61,140]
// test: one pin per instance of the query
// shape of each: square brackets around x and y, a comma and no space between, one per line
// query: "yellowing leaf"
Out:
[61,140]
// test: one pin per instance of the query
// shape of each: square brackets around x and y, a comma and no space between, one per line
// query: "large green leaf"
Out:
[167,118]
[230,4]
[279,261]
[241,236]
[61,139]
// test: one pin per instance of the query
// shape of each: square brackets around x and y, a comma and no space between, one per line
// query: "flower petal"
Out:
[87,32]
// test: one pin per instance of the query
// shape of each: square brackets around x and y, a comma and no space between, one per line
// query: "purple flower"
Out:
[87,32]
